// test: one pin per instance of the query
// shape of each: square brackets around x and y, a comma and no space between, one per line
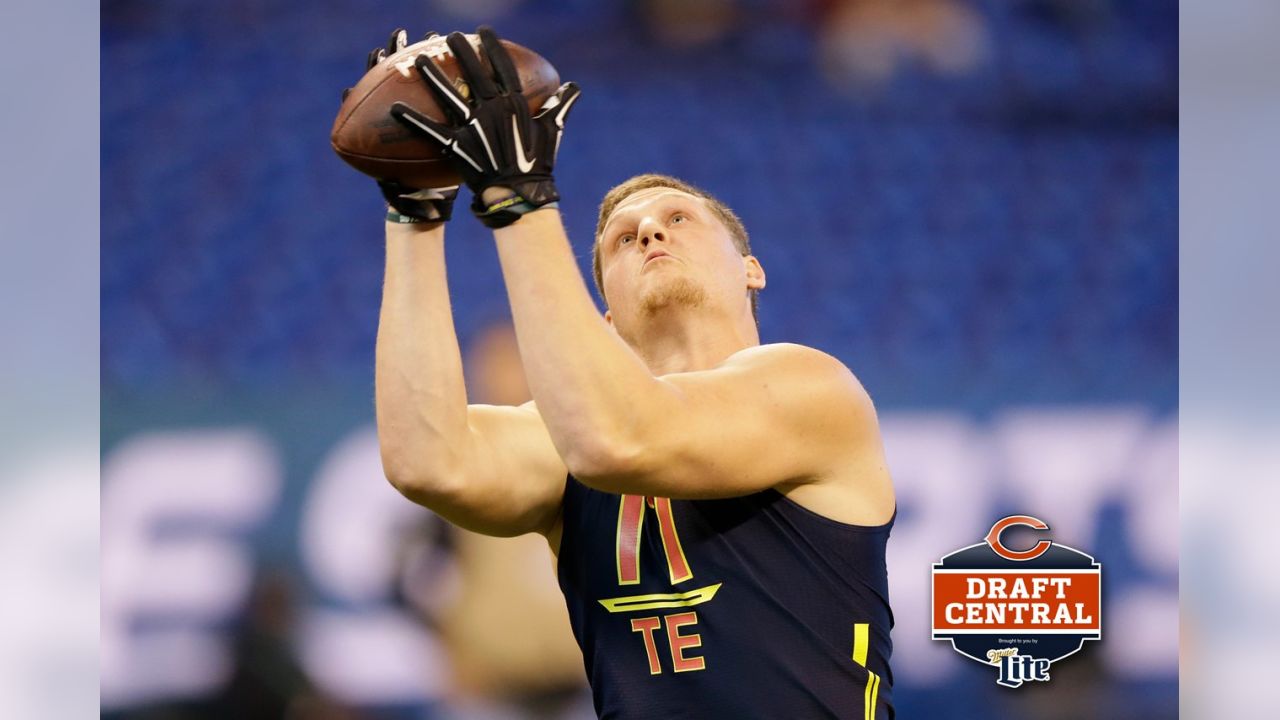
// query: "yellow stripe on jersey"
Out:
[873,692]
[861,633]
[861,639]
[658,601]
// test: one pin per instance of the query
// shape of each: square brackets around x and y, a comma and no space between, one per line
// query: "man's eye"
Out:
[624,239]
[678,218]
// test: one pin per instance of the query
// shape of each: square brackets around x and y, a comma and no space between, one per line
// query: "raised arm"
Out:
[486,468]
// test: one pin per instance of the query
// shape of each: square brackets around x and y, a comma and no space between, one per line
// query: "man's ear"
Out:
[755,272]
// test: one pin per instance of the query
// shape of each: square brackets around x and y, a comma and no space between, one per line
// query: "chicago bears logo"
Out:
[1020,610]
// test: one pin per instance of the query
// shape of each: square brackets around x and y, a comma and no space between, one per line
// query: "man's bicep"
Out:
[514,479]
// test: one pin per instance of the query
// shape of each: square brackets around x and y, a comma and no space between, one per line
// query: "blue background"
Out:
[1010,233]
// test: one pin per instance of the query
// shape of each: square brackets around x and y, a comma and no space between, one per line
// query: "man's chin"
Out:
[673,293]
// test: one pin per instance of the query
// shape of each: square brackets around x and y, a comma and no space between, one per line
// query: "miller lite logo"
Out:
[1018,610]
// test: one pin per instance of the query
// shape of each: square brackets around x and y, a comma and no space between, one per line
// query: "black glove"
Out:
[410,204]
[414,205]
[491,137]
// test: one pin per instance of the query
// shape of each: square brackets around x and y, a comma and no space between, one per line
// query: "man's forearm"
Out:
[421,398]
[591,389]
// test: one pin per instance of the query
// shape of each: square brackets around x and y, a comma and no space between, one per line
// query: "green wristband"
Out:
[517,205]
[395,217]
[505,212]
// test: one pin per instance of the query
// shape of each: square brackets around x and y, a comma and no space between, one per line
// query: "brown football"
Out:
[370,140]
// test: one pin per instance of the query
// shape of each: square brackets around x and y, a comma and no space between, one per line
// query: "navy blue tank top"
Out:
[747,607]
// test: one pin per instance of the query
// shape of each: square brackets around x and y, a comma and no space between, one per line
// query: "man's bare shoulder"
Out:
[803,365]
[793,353]
[795,386]
[856,487]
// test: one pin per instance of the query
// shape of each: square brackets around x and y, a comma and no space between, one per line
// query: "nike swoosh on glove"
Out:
[492,138]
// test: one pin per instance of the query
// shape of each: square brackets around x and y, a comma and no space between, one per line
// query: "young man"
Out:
[719,508]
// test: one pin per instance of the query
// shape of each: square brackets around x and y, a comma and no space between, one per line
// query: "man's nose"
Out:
[649,232]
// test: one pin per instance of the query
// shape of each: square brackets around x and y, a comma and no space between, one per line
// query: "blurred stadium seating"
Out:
[1004,234]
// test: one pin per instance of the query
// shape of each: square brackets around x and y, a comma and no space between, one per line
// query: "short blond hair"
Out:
[621,192]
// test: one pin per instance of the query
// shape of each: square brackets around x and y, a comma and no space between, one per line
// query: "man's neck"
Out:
[685,342]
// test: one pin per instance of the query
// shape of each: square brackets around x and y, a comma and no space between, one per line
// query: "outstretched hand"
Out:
[409,204]
[491,137]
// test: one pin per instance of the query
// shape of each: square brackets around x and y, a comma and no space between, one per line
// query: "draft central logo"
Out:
[1019,610]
